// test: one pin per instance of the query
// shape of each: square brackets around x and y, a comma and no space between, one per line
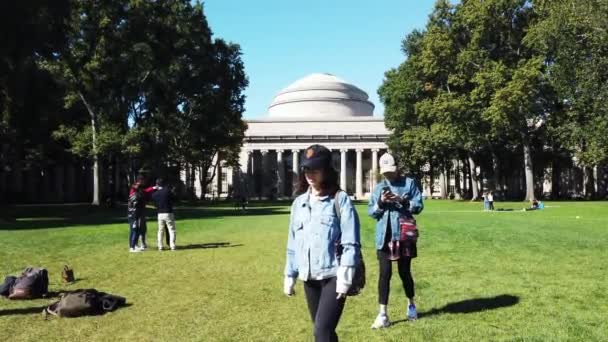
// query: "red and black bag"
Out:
[408,231]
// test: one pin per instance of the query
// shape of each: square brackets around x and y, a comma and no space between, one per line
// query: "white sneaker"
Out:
[173,248]
[141,248]
[381,321]
[134,250]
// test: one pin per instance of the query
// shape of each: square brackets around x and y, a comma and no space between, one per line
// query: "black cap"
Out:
[316,157]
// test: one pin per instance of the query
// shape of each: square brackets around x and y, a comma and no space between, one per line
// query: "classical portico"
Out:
[318,109]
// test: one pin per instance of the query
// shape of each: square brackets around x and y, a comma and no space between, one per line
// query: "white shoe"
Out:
[160,249]
[381,321]
[173,248]
[134,250]
[141,248]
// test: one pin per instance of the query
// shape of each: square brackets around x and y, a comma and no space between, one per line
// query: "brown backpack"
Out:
[67,274]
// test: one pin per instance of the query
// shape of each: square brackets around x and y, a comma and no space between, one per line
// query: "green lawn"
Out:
[500,276]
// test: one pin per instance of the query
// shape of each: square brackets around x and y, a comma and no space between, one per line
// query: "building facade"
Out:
[317,109]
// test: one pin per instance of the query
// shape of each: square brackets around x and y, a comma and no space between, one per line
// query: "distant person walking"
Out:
[392,204]
[490,200]
[315,235]
[486,202]
[163,199]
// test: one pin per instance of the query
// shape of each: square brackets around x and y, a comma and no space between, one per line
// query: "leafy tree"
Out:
[573,35]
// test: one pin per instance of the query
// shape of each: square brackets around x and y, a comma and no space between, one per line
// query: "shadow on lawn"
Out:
[22,311]
[209,245]
[66,215]
[471,305]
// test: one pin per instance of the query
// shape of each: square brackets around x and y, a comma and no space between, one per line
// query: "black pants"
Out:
[386,272]
[325,309]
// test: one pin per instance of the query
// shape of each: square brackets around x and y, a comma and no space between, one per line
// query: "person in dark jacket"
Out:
[137,213]
[163,198]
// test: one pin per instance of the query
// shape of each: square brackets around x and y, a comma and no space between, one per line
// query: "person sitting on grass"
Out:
[534,205]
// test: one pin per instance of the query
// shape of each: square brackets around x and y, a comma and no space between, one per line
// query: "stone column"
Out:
[264,191]
[280,174]
[359,176]
[343,169]
[249,181]
[374,169]
[296,162]
[295,168]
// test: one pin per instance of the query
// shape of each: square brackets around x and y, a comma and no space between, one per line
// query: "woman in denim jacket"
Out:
[314,230]
[395,196]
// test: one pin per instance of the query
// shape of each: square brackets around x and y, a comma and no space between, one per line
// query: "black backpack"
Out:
[359,276]
[32,283]
[84,302]
[135,204]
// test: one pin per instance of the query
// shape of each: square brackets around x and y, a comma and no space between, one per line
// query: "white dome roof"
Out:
[320,96]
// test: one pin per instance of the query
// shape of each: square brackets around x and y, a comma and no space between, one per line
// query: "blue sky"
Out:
[284,40]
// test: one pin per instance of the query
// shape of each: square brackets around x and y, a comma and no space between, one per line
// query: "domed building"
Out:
[317,109]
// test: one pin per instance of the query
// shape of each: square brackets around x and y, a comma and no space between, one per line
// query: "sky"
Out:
[283,41]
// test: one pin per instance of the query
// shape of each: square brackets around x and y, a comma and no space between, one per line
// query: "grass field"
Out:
[480,276]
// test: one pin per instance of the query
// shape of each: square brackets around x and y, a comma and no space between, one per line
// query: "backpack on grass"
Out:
[84,302]
[32,283]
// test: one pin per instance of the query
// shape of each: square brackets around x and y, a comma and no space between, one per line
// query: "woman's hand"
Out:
[288,286]
[389,197]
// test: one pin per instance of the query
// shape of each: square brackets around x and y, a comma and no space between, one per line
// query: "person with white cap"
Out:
[394,200]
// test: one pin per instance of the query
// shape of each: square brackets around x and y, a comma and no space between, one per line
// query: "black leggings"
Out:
[325,309]
[386,272]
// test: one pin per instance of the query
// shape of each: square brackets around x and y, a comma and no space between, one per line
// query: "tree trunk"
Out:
[96,171]
[191,180]
[529,171]
[457,188]
[602,181]
[443,183]
[431,180]
[466,180]
[555,179]
[473,171]
[589,182]
[495,187]
[117,182]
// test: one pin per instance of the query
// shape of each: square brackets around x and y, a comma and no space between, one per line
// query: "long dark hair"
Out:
[329,185]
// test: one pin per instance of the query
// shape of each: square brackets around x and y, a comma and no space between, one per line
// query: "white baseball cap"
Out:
[387,163]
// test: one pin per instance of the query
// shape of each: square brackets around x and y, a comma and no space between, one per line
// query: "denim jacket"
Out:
[313,231]
[382,213]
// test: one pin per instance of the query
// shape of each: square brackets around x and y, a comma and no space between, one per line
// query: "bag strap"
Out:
[337,205]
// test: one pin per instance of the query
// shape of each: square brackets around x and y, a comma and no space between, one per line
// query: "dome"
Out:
[320,96]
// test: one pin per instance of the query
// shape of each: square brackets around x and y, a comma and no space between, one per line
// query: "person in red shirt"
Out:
[147,195]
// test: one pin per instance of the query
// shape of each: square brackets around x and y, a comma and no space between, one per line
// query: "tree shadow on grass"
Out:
[208,245]
[22,311]
[67,215]
[470,306]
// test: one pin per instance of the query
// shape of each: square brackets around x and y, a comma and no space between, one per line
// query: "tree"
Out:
[573,35]
[32,33]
